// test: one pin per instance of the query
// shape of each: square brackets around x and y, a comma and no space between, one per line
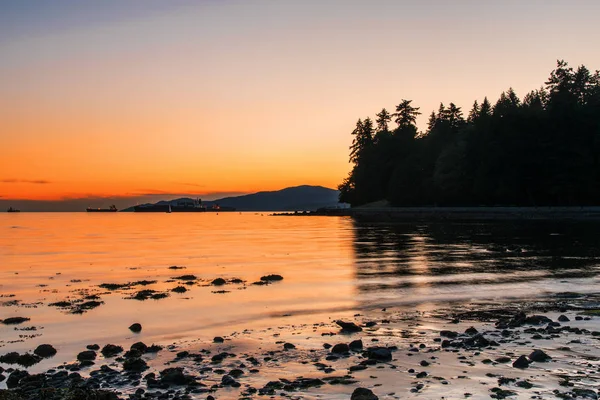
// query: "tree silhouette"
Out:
[541,150]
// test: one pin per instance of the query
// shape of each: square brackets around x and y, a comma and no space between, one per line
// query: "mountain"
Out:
[289,199]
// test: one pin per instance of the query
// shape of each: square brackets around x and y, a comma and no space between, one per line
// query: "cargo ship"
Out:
[112,208]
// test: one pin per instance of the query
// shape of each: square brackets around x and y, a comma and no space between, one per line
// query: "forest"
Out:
[541,150]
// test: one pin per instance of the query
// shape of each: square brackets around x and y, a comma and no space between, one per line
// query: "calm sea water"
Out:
[332,267]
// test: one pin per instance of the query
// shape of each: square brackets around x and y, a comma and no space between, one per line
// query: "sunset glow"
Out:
[126,99]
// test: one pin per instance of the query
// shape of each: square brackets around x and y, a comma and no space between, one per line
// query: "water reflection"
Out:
[444,261]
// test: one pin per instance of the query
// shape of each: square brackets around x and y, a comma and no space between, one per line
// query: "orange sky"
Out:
[103,98]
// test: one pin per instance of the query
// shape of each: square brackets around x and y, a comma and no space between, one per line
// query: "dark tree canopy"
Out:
[543,150]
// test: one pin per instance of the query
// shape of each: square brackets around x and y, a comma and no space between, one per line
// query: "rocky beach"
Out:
[317,308]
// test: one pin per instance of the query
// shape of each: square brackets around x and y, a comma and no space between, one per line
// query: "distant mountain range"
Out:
[289,199]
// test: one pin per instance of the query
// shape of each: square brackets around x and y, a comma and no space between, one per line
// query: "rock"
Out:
[135,364]
[340,348]
[218,282]
[563,318]
[424,363]
[363,394]
[175,376]
[93,347]
[271,278]
[289,346]
[179,289]
[471,331]
[139,346]
[15,377]
[539,356]
[348,327]
[87,355]
[503,360]
[537,320]
[422,374]
[356,345]
[111,350]
[449,334]
[379,354]
[227,380]
[136,328]
[218,339]
[14,320]
[26,360]
[521,362]
[45,350]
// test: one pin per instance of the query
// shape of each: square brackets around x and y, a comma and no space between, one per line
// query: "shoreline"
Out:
[395,214]
[455,352]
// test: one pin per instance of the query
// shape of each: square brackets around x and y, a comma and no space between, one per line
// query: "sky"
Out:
[106,99]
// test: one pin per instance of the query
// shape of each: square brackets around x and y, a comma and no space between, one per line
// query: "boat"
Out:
[10,209]
[112,208]
[180,206]
[217,208]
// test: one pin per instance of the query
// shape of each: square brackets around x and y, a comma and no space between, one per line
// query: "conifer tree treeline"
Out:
[543,150]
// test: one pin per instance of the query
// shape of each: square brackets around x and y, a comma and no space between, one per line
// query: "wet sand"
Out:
[458,351]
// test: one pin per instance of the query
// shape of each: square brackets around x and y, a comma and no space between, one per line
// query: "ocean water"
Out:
[332,267]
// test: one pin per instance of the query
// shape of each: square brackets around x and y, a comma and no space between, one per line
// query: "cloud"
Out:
[33,181]
[189,184]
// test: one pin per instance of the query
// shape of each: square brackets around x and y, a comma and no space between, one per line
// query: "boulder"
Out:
[363,394]
[348,327]
[136,328]
[521,362]
[340,348]
[539,356]
[45,350]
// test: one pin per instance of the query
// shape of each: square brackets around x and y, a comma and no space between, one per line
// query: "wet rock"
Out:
[111,350]
[93,347]
[471,331]
[218,339]
[424,363]
[236,373]
[186,277]
[175,376]
[271,278]
[449,334]
[503,360]
[15,377]
[585,393]
[340,348]
[135,364]
[521,362]
[179,289]
[348,327]
[379,354]
[14,320]
[539,356]
[139,346]
[363,394]
[422,374]
[356,345]
[218,282]
[227,380]
[289,346]
[87,355]
[26,360]
[136,328]
[45,350]
[563,318]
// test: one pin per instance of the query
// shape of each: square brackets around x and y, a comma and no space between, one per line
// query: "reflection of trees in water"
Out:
[503,252]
